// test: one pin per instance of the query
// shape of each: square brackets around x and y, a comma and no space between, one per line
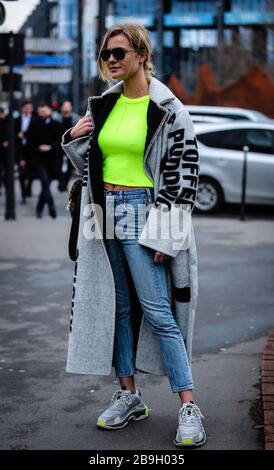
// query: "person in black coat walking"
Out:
[21,127]
[44,139]
[3,146]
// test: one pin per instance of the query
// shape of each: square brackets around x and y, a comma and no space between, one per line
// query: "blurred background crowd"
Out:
[38,154]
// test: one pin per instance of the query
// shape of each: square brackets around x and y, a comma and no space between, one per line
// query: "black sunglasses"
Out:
[118,53]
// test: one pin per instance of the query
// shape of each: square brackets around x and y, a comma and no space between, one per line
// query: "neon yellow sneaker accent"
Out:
[101,422]
[146,412]
[187,441]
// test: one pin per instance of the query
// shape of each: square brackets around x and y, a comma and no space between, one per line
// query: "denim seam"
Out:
[155,277]
[129,329]
[124,374]
[182,389]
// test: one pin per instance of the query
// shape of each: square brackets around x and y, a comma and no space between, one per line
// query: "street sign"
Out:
[190,19]
[249,17]
[45,75]
[49,45]
[146,20]
[48,61]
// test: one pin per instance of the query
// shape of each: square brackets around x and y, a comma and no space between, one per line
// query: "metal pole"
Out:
[244,174]
[76,66]
[80,51]
[220,29]
[160,38]
[177,52]
[10,198]
[100,32]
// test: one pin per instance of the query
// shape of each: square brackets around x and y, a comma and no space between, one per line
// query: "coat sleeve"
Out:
[76,149]
[168,226]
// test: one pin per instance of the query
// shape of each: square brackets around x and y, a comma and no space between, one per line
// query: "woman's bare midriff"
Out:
[117,187]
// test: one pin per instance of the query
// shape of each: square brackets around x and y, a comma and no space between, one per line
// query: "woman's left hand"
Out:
[160,257]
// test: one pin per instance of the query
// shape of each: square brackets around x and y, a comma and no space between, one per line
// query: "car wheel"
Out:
[209,196]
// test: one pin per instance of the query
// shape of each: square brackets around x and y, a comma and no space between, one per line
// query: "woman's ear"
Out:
[142,59]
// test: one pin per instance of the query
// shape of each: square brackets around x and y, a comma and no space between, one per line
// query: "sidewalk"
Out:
[46,408]
[268,391]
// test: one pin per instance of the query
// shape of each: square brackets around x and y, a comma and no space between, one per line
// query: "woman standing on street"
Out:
[135,292]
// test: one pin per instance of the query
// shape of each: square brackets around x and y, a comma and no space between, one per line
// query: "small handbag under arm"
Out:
[74,207]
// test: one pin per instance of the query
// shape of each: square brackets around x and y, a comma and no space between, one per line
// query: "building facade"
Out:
[191,37]
[42,23]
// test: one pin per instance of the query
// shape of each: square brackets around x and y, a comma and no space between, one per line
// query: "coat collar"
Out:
[158,92]
[100,106]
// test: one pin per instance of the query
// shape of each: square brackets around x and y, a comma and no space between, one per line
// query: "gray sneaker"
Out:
[190,431]
[123,407]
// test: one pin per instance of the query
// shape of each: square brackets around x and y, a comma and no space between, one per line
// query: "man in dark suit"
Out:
[45,147]
[68,119]
[21,127]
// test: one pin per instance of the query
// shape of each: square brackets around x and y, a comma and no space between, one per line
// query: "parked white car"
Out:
[221,163]
[220,113]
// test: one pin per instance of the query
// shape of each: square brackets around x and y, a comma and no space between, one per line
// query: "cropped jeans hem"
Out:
[182,389]
[125,374]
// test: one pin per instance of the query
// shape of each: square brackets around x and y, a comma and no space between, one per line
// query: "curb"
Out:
[268,391]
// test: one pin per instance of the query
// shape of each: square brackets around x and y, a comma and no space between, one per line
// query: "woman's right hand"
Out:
[83,127]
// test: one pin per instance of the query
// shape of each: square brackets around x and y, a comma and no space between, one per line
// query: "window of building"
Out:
[248,5]
[196,38]
[194,6]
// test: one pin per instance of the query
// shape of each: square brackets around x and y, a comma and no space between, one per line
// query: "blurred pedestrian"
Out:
[44,143]
[135,286]
[3,147]
[68,119]
[21,127]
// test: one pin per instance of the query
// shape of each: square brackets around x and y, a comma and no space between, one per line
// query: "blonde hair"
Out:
[139,39]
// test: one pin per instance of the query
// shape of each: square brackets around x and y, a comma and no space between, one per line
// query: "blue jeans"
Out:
[150,281]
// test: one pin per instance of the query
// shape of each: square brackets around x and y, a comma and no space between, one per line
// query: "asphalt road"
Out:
[43,407]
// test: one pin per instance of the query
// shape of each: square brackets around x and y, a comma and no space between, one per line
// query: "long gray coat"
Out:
[171,161]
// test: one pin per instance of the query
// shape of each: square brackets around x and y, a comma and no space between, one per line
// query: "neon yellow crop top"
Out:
[122,142]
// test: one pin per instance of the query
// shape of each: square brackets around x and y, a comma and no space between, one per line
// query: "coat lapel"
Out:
[155,116]
[100,108]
